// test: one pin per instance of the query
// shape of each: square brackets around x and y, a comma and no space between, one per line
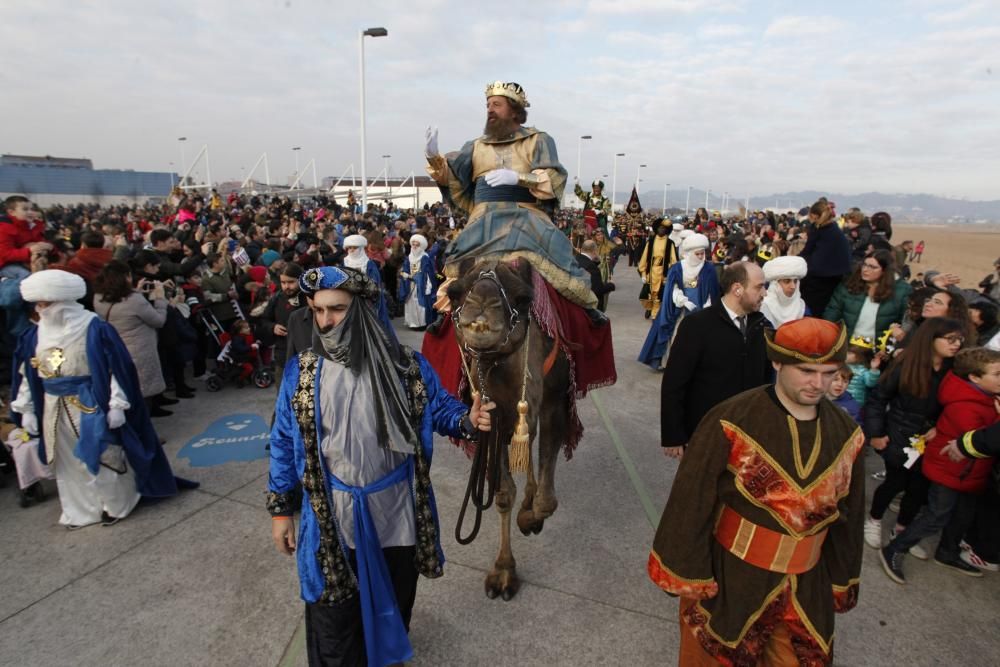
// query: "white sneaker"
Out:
[873,533]
[202,377]
[973,559]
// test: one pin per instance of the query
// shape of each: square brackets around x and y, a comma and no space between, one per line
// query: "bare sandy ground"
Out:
[966,250]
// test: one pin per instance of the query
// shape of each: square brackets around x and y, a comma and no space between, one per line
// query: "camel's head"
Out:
[488,303]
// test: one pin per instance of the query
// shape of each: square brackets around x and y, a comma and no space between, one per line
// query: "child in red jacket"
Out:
[966,394]
[243,350]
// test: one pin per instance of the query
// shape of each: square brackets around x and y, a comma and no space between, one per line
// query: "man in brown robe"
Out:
[762,534]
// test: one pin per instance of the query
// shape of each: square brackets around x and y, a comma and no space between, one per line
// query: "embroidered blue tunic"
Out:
[322,575]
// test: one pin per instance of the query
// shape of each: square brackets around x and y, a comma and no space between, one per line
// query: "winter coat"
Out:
[216,287]
[965,407]
[136,321]
[277,311]
[847,403]
[709,362]
[88,262]
[847,307]
[859,238]
[15,234]
[890,412]
[827,252]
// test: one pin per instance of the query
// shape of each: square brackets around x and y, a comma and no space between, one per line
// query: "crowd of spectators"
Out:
[187,279]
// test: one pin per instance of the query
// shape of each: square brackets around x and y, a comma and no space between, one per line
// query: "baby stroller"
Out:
[227,368]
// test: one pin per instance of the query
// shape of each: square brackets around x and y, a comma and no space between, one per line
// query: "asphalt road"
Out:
[195,580]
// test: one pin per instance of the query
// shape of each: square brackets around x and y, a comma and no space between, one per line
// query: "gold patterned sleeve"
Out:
[453,188]
[437,168]
[844,545]
[680,561]
[539,183]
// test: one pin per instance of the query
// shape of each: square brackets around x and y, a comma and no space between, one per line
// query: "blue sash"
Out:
[386,641]
[486,192]
[94,431]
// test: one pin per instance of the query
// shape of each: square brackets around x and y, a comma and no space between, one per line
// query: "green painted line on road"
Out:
[647,502]
[296,648]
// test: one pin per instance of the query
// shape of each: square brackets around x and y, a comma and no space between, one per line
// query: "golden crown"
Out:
[863,342]
[510,90]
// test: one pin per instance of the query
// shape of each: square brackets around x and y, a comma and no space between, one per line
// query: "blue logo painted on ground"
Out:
[239,437]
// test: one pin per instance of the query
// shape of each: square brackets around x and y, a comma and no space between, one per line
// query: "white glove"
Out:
[689,304]
[29,422]
[431,149]
[501,177]
[116,417]
[679,299]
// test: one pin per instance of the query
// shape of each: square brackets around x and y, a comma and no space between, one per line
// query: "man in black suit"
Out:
[716,353]
[589,260]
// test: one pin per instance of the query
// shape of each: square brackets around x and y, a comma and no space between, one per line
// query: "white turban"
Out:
[417,254]
[777,307]
[355,241]
[791,266]
[693,241]
[52,286]
[690,264]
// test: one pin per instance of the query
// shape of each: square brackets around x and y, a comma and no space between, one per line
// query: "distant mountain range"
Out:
[920,208]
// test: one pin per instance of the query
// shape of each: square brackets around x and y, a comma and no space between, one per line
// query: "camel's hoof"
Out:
[502,583]
[528,524]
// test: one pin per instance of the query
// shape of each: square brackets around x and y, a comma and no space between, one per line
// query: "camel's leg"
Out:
[554,424]
[551,426]
[502,579]
[526,517]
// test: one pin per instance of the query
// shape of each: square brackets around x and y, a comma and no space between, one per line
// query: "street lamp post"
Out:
[579,155]
[687,202]
[638,174]
[295,152]
[706,198]
[370,32]
[665,186]
[387,187]
[181,140]
[614,183]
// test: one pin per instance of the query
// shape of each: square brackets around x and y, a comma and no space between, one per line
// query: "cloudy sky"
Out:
[750,97]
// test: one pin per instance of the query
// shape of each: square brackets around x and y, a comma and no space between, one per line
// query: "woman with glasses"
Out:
[902,406]
[871,299]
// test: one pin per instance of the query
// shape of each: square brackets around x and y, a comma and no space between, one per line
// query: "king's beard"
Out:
[500,128]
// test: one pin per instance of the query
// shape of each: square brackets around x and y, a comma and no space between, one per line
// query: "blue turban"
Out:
[332,277]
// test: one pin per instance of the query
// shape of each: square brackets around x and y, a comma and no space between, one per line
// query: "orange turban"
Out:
[809,340]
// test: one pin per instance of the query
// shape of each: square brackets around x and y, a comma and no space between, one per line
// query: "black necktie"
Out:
[742,321]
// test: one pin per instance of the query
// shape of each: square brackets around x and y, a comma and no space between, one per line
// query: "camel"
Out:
[509,358]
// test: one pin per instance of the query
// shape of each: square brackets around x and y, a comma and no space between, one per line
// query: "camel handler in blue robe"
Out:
[354,425]
[510,182]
